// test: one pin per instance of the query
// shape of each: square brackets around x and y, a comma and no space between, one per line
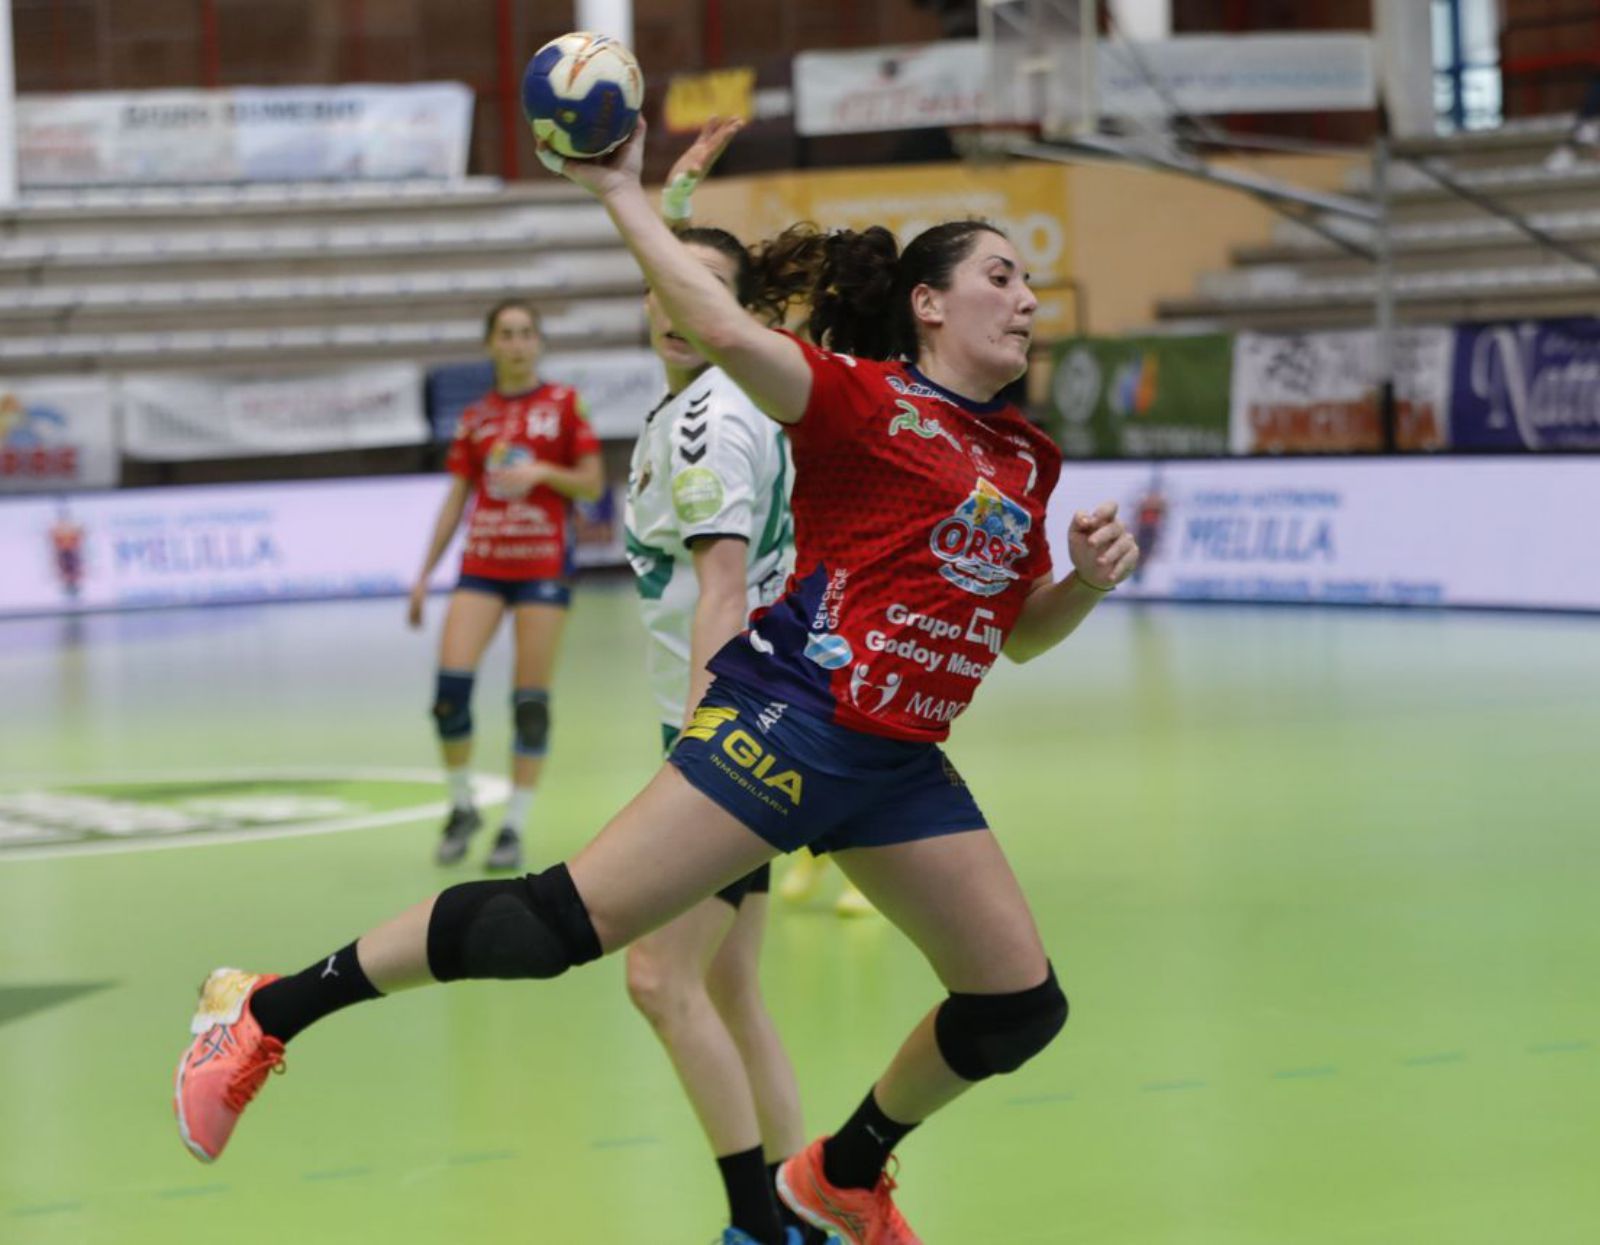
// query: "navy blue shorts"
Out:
[800,781]
[516,592]
[758,882]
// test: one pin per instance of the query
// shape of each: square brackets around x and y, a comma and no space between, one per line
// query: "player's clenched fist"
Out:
[1103,552]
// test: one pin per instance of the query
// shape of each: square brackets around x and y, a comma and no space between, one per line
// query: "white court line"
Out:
[489,790]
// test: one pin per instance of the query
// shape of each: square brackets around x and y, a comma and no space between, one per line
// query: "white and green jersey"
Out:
[708,463]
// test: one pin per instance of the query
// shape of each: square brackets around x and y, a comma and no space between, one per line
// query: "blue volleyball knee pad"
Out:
[530,714]
[452,704]
[980,1035]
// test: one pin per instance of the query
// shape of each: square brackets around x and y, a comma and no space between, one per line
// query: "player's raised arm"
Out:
[765,364]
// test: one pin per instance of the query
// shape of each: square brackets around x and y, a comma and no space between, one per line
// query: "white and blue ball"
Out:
[581,93]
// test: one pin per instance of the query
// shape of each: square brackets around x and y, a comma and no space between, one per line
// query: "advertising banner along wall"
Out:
[57,433]
[1528,386]
[1317,393]
[246,134]
[1385,531]
[1142,397]
[172,417]
[224,544]
[934,84]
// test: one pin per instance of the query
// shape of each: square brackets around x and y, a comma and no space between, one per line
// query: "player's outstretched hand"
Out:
[702,154]
[419,595]
[603,174]
[1103,552]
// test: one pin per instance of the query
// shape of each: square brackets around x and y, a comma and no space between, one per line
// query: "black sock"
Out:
[808,1234]
[854,1156]
[289,1004]
[751,1204]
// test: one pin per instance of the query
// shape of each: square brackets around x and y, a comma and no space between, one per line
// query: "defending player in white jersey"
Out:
[709,539]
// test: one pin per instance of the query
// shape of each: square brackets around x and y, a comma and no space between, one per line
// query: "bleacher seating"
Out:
[1452,260]
[279,277]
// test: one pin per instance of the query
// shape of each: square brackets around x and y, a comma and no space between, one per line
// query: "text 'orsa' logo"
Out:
[981,541]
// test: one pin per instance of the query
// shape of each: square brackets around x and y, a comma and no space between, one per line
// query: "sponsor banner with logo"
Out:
[320,133]
[946,83]
[212,545]
[57,434]
[1029,201]
[1467,531]
[1527,386]
[1142,397]
[1317,393]
[1308,72]
[695,98]
[172,417]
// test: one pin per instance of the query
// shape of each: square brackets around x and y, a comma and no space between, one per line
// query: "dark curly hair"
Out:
[858,285]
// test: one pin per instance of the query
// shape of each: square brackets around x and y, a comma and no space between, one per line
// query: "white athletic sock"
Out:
[517,808]
[460,781]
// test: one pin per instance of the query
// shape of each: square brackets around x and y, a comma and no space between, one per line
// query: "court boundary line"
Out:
[487,788]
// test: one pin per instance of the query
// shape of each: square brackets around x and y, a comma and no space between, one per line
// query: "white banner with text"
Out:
[173,416]
[244,134]
[226,544]
[909,86]
[1488,532]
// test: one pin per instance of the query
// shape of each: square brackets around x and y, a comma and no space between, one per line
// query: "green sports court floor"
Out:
[1324,888]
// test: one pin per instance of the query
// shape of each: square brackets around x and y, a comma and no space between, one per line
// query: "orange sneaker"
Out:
[225,1064]
[859,1216]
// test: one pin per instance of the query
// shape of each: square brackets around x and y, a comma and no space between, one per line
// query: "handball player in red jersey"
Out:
[520,456]
[919,501]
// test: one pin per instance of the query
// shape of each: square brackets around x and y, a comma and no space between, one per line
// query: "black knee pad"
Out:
[452,704]
[530,713]
[534,926]
[982,1034]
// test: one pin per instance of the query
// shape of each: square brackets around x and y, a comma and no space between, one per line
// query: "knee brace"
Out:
[530,711]
[982,1034]
[534,926]
[452,704]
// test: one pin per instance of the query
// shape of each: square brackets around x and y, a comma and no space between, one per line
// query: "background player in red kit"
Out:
[919,502]
[520,455]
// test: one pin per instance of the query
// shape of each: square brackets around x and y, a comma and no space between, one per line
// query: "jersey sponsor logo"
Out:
[89,817]
[908,648]
[979,629]
[910,419]
[917,390]
[692,429]
[739,746]
[934,708]
[770,714]
[696,494]
[760,643]
[981,541]
[500,457]
[707,721]
[826,617]
[828,649]
[860,685]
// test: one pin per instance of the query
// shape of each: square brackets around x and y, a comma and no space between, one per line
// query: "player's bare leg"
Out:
[469,626]
[956,897]
[532,927]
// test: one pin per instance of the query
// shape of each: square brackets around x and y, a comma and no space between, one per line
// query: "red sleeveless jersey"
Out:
[519,537]
[919,530]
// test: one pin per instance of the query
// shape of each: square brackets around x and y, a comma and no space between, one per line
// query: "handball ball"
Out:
[581,94]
